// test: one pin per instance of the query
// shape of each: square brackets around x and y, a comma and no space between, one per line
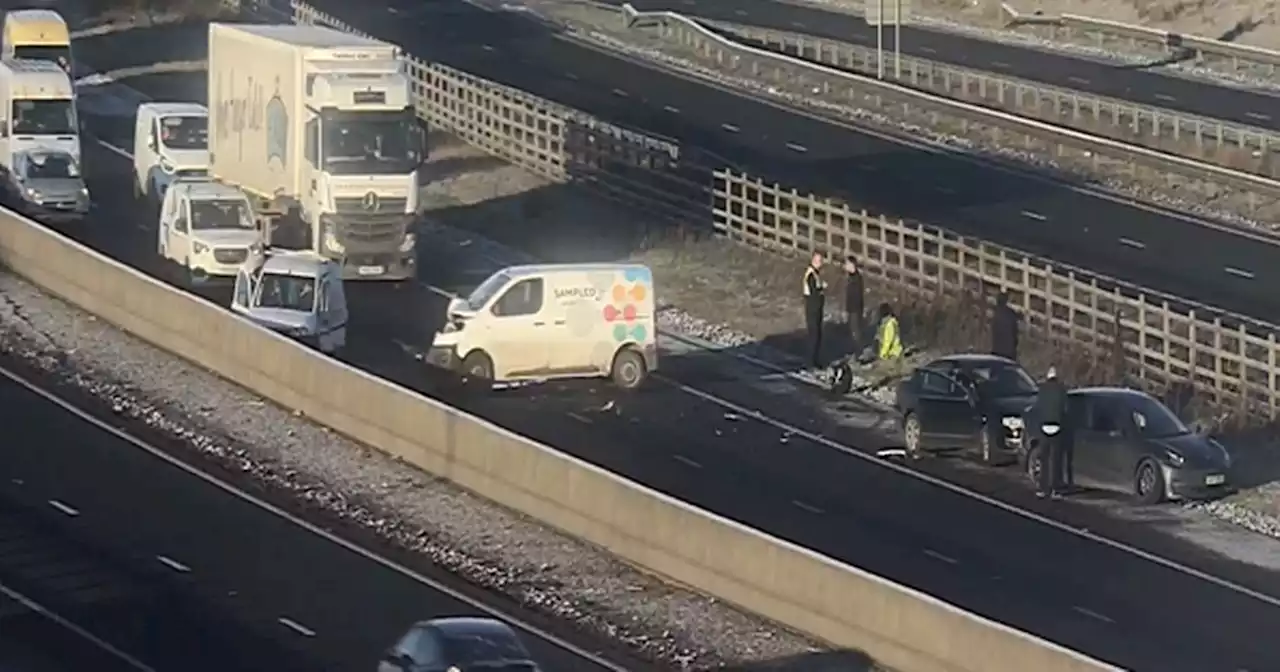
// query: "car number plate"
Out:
[1215,479]
[372,270]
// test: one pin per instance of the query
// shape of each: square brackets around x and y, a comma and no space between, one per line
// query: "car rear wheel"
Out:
[1148,483]
[911,433]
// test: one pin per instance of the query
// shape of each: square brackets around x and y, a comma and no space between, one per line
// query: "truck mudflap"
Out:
[389,266]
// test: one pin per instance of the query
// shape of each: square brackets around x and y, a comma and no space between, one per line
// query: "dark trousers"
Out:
[856,332]
[813,327]
[1055,464]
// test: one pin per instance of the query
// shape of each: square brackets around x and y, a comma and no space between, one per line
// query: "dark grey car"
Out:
[966,402]
[458,644]
[1127,441]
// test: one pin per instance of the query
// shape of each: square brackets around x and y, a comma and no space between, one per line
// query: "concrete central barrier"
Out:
[796,587]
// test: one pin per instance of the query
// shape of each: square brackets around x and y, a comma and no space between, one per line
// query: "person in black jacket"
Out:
[854,308]
[1004,328]
[815,300]
[1050,416]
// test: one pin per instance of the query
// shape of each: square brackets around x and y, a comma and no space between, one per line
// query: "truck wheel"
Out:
[628,371]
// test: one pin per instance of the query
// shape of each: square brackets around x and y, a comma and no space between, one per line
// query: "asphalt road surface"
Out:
[1141,245]
[688,442]
[184,575]
[1144,84]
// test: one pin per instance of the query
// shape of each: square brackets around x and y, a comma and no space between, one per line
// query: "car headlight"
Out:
[1011,421]
[32,193]
[84,192]
[198,247]
[1175,458]
[331,243]
[409,241]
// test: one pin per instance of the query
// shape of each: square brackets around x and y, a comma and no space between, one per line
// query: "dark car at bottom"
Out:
[970,402]
[458,644]
[1129,442]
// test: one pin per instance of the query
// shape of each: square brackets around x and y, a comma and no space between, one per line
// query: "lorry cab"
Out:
[37,110]
[170,141]
[553,321]
[297,293]
[207,229]
[38,35]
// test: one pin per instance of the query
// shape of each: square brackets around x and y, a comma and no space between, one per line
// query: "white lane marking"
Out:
[436,586]
[620,92]
[891,452]
[1258,115]
[173,564]
[1034,215]
[672,110]
[1138,245]
[1093,614]
[808,507]
[116,150]
[1162,96]
[929,50]
[580,418]
[684,460]
[1239,272]
[572,76]
[75,629]
[938,556]
[978,496]
[797,148]
[738,12]
[1078,80]
[945,190]
[296,627]
[63,507]
[730,127]
[797,24]
[1000,64]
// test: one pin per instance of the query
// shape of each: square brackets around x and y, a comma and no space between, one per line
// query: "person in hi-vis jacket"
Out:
[815,301]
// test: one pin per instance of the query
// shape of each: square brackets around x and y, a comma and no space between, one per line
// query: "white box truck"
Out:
[318,127]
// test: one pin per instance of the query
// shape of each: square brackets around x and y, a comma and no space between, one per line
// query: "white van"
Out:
[554,321]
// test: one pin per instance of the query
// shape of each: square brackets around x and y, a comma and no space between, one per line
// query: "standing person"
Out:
[1004,328]
[1050,413]
[888,337]
[815,303]
[854,297]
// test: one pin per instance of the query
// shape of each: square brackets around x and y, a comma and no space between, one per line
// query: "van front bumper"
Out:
[444,357]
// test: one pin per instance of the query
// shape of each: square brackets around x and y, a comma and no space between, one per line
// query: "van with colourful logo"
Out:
[542,322]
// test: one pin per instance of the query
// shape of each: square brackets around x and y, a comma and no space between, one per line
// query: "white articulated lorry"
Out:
[318,128]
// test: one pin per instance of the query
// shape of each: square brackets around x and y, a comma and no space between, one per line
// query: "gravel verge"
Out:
[602,26]
[486,545]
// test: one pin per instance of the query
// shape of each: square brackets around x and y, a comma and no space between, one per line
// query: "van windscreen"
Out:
[487,290]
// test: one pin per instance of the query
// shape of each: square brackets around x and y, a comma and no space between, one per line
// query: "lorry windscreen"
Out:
[371,143]
[184,132]
[51,116]
[228,214]
[54,53]
[290,292]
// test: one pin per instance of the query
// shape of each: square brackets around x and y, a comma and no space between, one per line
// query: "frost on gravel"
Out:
[483,543]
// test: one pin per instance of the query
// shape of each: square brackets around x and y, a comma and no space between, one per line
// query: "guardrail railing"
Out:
[828,90]
[1104,33]
[1215,141]
[1230,358]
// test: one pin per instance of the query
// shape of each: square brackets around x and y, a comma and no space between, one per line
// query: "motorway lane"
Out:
[935,540]
[1153,87]
[32,642]
[197,578]
[1141,245]
[930,538]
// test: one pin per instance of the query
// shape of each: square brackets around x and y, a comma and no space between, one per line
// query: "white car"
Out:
[207,229]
